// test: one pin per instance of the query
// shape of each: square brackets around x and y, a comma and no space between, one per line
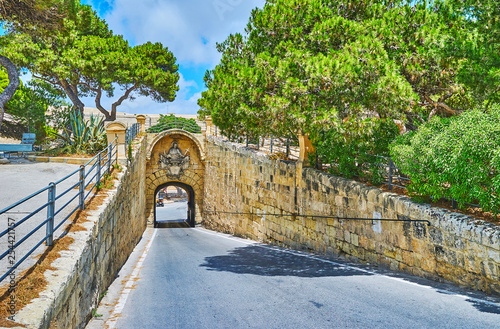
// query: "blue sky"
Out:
[189,28]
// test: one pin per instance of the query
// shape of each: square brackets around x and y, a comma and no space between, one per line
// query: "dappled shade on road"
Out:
[268,261]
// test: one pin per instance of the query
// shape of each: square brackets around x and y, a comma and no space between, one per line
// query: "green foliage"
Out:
[31,102]
[59,117]
[82,136]
[304,64]
[85,58]
[129,152]
[456,158]
[95,314]
[170,121]
[353,148]
[479,45]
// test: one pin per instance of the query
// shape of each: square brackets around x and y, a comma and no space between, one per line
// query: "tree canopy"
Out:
[304,65]
[85,58]
[30,103]
[32,16]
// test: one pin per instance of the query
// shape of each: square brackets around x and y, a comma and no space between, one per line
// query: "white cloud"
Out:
[190,28]
[185,86]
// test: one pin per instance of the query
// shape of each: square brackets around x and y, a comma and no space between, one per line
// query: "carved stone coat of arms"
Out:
[173,161]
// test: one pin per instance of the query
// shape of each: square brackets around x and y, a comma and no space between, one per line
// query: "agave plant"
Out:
[81,136]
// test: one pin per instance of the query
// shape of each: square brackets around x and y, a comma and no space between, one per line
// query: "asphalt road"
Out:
[20,179]
[172,211]
[195,278]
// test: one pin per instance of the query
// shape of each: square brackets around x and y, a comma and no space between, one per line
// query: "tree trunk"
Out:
[107,115]
[73,96]
[120,100]
[11,88]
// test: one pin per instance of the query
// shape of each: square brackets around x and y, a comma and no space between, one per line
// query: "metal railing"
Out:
[283,148]
[132,132]
[279,148]
[89,174]
[391,173]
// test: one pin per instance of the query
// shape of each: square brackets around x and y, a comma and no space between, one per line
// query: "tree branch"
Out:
[10,90]
[438,106]
[46,80]
[73,96]
[120,100]
[99,106]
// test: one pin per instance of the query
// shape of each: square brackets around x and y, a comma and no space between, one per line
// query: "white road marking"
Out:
[226,236]
[111,323]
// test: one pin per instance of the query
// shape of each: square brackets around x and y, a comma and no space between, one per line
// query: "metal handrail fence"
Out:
[131,132]
[392,174]
[273,145]
[88,174]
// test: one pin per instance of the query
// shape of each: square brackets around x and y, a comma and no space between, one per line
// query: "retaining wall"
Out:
[85,271]
[454,247]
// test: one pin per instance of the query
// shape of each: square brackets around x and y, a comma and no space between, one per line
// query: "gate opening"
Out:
[174,205]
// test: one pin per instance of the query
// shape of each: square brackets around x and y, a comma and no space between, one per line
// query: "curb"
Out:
[76,161]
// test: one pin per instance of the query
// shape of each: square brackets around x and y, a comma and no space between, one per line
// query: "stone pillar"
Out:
[210,126]
[141,120]
[114,130]
[306,148]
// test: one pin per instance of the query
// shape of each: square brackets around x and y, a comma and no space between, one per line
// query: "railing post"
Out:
[98,168]
[50,215]
[82,187]
[116,146]
[287,148]
[271,146]
[247,140]
[391,166]
[110,149]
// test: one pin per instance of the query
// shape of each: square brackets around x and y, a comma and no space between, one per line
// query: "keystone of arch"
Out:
[176,132]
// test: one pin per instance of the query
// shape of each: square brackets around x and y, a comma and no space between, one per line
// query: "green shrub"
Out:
[457,158]
[81,136]
[351,147]
[167,122]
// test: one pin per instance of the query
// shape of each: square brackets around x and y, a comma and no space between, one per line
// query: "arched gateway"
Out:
[175,158]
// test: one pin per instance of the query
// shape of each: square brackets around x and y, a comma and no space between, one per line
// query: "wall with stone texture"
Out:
[192,176]
[85,271]
[454,247]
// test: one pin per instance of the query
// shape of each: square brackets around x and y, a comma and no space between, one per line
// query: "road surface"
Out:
[20,179]
[196,278]
[172,211]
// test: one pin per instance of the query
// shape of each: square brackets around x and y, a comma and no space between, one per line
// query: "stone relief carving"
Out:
[173,161]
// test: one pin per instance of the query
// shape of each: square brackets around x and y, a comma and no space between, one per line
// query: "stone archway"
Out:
[191,214]
[175,157]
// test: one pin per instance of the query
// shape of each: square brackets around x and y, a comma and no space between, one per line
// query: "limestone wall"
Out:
[454,247]
[156,176]
[85,271]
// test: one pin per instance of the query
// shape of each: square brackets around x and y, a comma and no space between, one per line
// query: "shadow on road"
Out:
[272,262]
[173,223]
